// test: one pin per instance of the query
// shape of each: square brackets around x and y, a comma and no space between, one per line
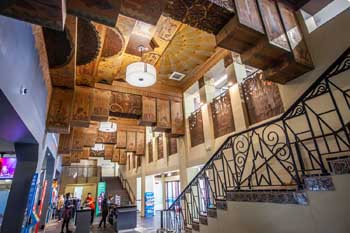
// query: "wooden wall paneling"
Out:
[65,76]
[172,145]
[177,119]
[108,154]
[90,136]
[121,139]
[106,137]
[222,115]
[138,161]
[65,143]
[268,51]
[82,106]
[105,12]
[262,99]
[299,62]
[163,116]
[196,128]
[149,114]
[96,153]
[150,151]
[131,141]
[116,155]
[244,30]
[66,161]
[123,157]
[125,105]
[86,153]
[100,110]
[78,139]
[60,111]
[75,156]
[140,143]
[160,146]
[133,161]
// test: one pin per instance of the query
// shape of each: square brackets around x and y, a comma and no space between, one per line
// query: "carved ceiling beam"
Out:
[51,14]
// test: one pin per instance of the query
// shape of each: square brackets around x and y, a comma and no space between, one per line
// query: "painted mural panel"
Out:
[140,143]
[82,106]
[149,115]
[131,141]
[177,119]
[100,110]
[172,145]
[121,139]
[262,99]
[125,105]
[222,115]
[163,116]
[196,128]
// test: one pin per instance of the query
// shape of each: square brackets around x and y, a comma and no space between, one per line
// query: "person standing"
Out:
[104,209]
[60,205]
[67,213]
[90,202]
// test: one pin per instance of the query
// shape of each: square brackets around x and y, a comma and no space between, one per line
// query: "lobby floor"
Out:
[144,225]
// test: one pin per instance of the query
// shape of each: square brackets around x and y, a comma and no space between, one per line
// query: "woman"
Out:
[67,213]
[104,209]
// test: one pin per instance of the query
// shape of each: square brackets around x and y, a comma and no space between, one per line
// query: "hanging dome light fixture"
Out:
[141,74]
[108,127]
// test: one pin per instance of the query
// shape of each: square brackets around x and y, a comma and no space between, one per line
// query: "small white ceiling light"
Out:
[108,127]
[141,74]
[98,147]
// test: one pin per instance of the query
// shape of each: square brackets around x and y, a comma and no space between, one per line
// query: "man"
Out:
[90,202]
[104,209]
[67,213]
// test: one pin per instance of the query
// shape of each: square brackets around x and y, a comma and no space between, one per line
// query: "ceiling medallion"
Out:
[141,74]
[108,127]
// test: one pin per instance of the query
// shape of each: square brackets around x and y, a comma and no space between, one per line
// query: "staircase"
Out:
[278,162]
[114,187]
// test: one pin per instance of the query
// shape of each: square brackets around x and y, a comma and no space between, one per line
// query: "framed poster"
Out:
[140,143]
[177,119]
[125,105]
[262,99]
[196,128]
[222,115]
[149,115]
[131,141]
[121,139]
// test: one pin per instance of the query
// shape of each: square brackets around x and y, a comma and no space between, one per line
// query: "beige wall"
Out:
[87,188]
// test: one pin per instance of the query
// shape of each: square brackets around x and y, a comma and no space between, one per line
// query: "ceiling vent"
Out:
[177,76]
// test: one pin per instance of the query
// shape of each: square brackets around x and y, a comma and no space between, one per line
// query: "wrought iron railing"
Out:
[274,155]
[127,187]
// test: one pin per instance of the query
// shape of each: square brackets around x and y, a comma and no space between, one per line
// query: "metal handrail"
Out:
[291,139]
[128,188]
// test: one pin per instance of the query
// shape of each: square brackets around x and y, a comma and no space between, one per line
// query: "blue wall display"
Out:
[31,198]
[149,204]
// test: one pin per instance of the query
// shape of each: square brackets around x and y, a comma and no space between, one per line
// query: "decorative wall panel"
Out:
[121,139]
[60,110]
[140,143]
[125,105]
[96,153]
[82,106]
[86,153]
[149,115]
[100,110]
[75,156]
[262,99]
[163,116]
[106,137]
[116,155]
[222,115]
[131,141]
[177,119]
[150,152]
[160,146]
[78,139]
[90,136]
[196,128]
[138,161]
[172,145]
[123,157]
[66,160]
[108,154]
[65,143]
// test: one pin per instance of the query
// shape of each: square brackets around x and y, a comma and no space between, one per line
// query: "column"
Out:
[182,150]
[27,159]
[163,190]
